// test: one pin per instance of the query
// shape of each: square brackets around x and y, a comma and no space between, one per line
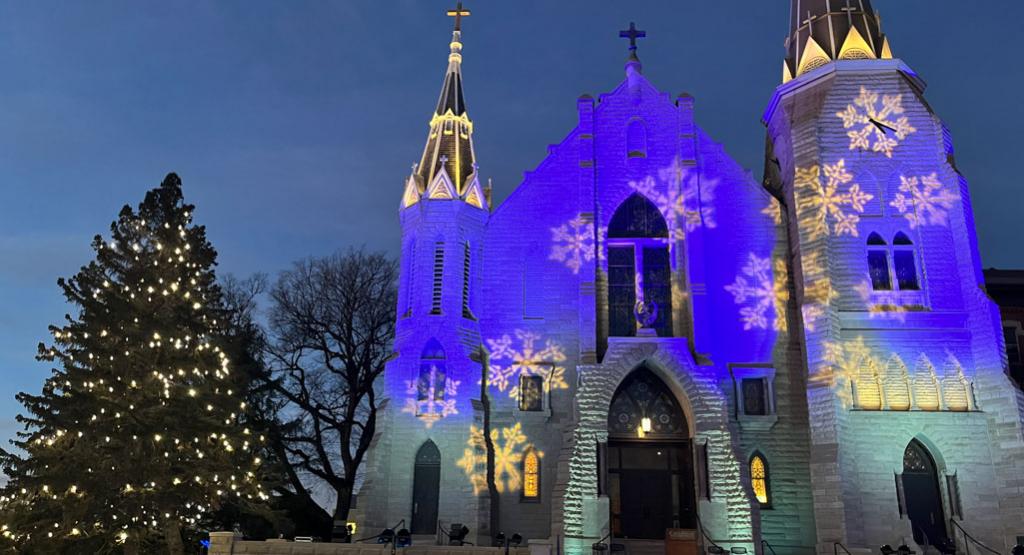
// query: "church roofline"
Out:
[839,66]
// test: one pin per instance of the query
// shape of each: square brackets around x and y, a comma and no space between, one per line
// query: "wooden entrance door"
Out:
[922,495]
[426,487]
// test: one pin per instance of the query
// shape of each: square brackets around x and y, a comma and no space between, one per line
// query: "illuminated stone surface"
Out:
[766,278]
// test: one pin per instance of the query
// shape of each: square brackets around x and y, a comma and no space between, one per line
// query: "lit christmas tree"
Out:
[140,432]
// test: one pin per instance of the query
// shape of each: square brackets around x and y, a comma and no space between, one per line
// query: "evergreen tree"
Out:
[139,434]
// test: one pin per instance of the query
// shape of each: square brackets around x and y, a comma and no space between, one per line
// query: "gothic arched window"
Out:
[638,267]
[759,479]
[636,139]
[644,406]
[904,263]
[531,475]
[889,264]
[878,263]
[430,385]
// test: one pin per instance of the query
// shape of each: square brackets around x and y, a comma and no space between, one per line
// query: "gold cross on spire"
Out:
[458,13]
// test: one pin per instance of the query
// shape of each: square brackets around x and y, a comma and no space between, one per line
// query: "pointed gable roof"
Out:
[839,29]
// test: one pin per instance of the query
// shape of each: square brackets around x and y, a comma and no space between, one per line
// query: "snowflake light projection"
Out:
[818,292]
[429,400]
[821,203]
[882,304]
[573,243]
[844,363]
[687,200]
[874,127]
[510,444]
[509,362]
[774,210]
[764,290]
[924,200]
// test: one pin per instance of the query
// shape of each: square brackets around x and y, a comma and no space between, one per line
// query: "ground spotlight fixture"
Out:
[515,540]
[1017,550]
[387,536]
[403,538]
[458,534]
[500,539]
[904,550]
[887,550]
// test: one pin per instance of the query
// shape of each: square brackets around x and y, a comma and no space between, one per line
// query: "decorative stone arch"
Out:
[896,385]
[705,407]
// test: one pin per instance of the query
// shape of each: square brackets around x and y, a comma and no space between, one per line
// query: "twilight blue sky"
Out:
[293,123]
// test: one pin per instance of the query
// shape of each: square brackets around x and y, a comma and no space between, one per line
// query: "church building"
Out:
[645,337]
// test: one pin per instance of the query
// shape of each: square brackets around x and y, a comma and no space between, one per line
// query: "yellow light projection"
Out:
[509,446]
[773,210]
[884,304]
[509,362]
[759,479]
[888,385]
[924,200]
[819,203]
[686,199]
[873,126]
[818,292]
[765,289]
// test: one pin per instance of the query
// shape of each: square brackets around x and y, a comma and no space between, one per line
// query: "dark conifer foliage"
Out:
[140,433]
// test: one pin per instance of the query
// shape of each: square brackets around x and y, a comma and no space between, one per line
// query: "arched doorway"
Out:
[922,495]
[649,460]
[426,484]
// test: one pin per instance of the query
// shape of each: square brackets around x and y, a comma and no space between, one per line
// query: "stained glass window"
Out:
[643,395]
[639,266]
[531,475]
[531,393]
[759,478]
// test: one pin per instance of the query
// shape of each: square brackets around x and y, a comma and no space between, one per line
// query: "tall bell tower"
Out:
[901,344]
[412,471]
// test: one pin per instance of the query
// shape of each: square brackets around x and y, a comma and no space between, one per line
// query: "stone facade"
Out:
[847,283]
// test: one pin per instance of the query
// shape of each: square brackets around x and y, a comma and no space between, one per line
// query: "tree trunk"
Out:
[172,535]
[492,486]
[343,503]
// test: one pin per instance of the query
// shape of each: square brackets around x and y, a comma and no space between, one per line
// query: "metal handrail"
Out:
[700,526]
[837,545]
[968,536]
[764,544]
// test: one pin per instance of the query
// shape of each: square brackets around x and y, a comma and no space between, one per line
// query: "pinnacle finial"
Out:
[458,13]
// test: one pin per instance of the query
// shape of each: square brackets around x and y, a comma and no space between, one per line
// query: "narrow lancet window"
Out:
[531,475]
[878,263]
[759,479]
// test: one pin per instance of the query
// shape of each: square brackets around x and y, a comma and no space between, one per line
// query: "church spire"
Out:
[821,31]
[447,169]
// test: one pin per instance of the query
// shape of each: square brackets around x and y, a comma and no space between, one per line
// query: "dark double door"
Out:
[651,488]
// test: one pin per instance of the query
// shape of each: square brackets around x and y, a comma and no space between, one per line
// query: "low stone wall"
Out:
[228,543]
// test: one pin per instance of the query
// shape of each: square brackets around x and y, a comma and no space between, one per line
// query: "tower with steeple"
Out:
[915,429]
[430,383]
